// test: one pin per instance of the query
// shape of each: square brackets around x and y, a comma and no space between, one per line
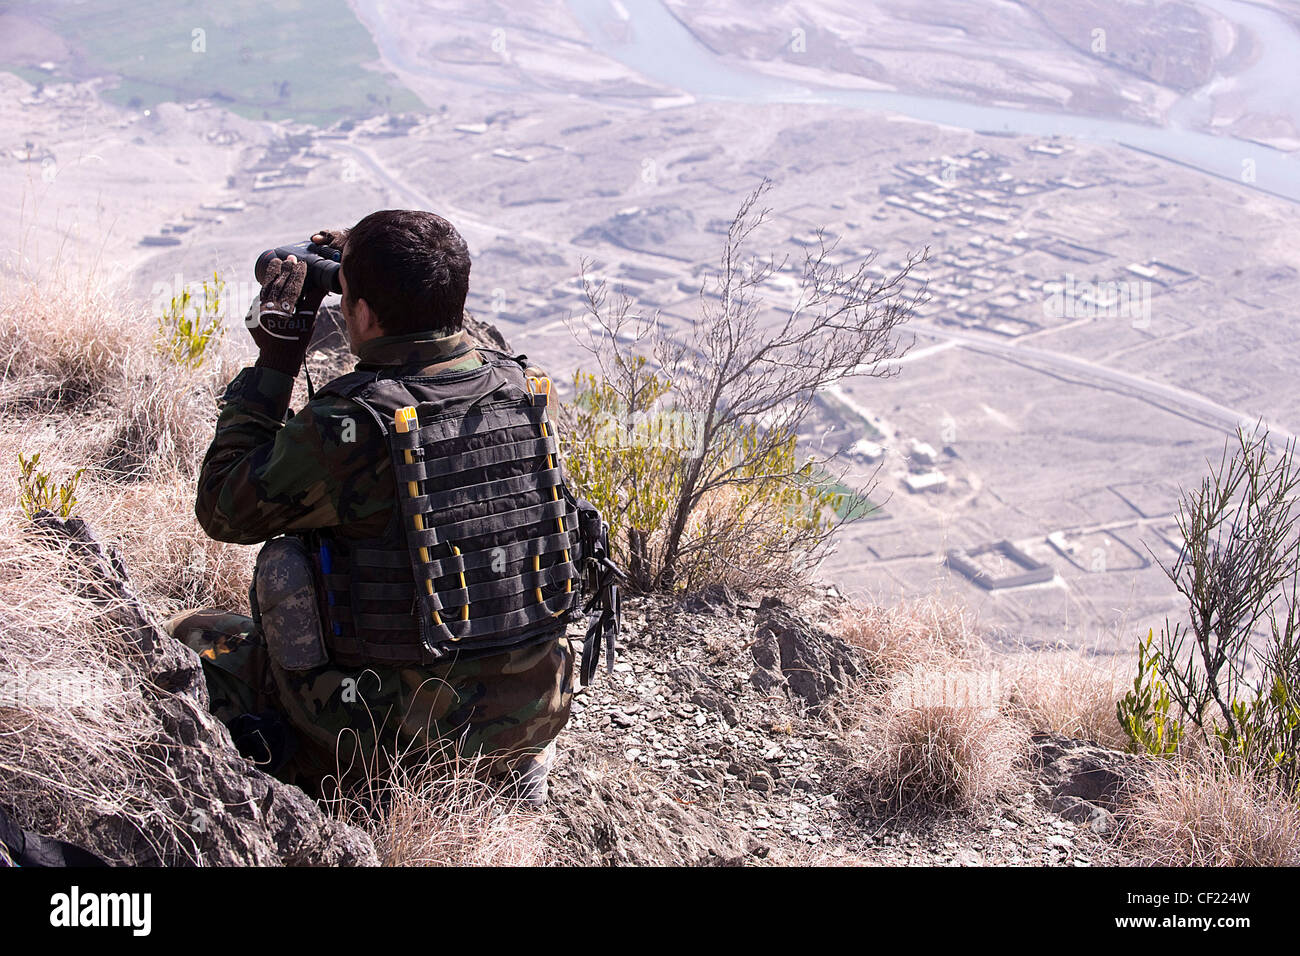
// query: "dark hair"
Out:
[411,267]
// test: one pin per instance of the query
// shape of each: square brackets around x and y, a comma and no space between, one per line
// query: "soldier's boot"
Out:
[233,655]
[235,669]
[530,783]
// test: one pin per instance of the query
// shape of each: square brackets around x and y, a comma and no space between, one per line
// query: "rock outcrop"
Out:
[805,661]
[230,812]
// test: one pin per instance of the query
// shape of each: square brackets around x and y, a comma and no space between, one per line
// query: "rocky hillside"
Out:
[721,738]
[732,730]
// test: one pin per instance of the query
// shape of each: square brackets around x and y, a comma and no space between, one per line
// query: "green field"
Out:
[273,59]
[826,482]
[860,424]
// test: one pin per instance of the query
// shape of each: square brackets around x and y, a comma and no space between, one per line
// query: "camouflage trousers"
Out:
[501,712]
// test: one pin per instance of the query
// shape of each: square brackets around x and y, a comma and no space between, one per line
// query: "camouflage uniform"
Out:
[329,466]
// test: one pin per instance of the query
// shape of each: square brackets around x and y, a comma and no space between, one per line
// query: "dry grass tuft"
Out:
[1069,693]
[149,515]
[62,344]
[162,425]
[174,565]
[929,633]
[1200,812]
[927,731]
[444,813]
[935,759]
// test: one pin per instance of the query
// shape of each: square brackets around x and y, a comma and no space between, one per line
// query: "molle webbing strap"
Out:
[433,431]
[486,524]
[440,467]
[510,554]
[485,491]
[477,627]
[384,591]
[475,593]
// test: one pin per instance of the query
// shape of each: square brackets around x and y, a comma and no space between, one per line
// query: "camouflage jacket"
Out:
[269,471]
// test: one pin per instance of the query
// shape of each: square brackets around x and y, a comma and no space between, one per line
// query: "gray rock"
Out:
[485,333]
[807,661]
[617,818]
[1082,781]
[1078,768]
[1081,811]
[716,702]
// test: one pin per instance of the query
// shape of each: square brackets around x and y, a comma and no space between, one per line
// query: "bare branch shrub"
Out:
[740,382]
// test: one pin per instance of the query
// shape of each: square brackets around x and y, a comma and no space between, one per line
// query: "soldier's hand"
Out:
[285,315]
[334,238]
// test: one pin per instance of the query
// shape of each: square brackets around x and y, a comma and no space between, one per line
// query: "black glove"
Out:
[286,314]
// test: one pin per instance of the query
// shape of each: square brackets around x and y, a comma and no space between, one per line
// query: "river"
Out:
[650,40]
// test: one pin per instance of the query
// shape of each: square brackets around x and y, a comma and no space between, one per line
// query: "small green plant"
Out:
[1144,711]
[1267,728]
[37,490]
[631,478]
[188,327]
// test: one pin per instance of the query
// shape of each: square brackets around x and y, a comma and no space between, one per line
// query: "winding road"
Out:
[1171,398]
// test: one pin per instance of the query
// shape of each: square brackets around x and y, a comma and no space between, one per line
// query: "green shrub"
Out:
[1239,570]
[1144,711]
[38,491]
[631,464]
[188,327]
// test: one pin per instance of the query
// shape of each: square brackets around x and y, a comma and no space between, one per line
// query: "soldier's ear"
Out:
[367,320]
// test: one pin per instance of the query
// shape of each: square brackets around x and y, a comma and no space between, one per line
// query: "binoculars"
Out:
[322,264]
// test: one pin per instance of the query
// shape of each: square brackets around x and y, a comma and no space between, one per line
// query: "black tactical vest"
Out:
[481,553]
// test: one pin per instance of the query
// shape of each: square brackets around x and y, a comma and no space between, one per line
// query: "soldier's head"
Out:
[404,271]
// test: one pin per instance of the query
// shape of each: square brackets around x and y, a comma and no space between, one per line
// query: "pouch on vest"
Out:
[285,604]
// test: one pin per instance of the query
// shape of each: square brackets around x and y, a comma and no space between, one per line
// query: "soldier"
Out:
[409,597]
